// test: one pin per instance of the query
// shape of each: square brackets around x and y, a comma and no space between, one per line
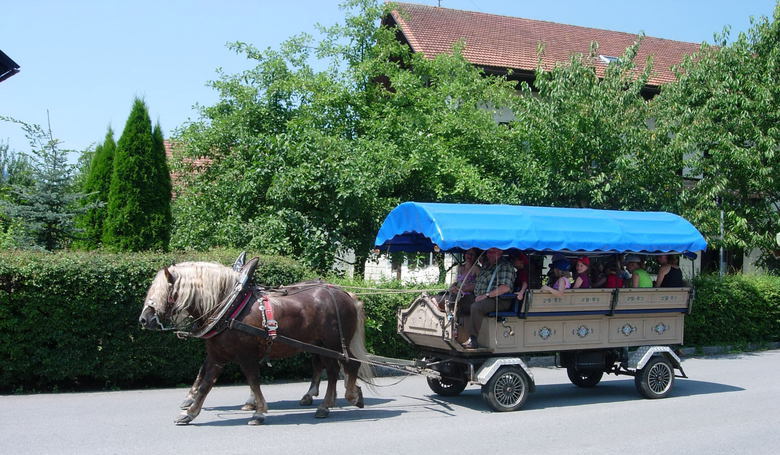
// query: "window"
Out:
[607,59]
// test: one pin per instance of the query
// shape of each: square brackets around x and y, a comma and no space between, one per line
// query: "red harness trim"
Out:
[217,329]
[270,323]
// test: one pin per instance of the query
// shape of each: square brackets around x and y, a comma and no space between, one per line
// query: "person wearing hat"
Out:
[520,262]
[639,276]
[494,280]
[583,268]
[560,269]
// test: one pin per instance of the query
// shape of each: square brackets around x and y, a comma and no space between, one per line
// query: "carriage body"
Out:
[590,331]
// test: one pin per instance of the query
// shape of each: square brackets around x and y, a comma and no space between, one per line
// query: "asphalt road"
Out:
[731,404]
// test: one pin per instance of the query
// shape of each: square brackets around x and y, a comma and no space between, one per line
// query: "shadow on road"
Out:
[289,412]
[563,395]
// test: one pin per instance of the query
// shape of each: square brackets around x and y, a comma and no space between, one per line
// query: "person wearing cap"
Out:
[639,276]
[494,280]
[583,268]
[560,269]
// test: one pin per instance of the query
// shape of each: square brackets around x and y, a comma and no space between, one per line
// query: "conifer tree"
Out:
[97,186]
[138,205]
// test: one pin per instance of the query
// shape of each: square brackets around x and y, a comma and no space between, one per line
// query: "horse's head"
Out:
[160,300]
[185,292]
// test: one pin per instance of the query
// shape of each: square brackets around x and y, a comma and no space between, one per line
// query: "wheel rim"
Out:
[659,378]
[509,389]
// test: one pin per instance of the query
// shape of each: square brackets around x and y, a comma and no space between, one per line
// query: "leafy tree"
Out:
[722,116]
[308,163]
[97,185]
[42,213]
[138,201]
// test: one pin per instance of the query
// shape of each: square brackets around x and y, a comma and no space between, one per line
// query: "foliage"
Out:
[734,309]
[44,211]
[722,115]
[97,185]
[138,200]
[69,321]
[308,162]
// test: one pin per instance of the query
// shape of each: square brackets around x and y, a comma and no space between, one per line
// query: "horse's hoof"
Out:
[257,419]
[186,403]
[322,413]
[249,407]
[183,419]
[307,400]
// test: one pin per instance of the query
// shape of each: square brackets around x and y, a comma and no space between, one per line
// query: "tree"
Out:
[44,211]
[138,201]
[307,163]
[721,116]
[97,185]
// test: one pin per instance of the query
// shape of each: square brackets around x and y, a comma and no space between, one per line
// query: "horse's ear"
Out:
[169,276]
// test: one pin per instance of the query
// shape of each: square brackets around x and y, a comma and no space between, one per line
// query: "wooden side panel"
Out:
[652,298]
[543,334]
[583,332]
[572,300]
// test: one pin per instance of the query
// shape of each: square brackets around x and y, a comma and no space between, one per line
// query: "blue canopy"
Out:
[418,226]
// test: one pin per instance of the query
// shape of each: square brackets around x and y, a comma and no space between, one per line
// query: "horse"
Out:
[315,313]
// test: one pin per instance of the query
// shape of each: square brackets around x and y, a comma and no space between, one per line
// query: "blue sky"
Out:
[85,60]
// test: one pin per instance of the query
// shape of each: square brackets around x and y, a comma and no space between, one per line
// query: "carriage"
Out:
[629,331]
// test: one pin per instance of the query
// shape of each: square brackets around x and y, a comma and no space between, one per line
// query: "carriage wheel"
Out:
[656,379]
[586,379]
[446,387]
[507,390]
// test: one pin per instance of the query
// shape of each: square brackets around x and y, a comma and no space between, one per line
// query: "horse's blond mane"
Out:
[199,286]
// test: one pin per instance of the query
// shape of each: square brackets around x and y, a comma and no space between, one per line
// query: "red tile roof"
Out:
[511,42]
[198,164]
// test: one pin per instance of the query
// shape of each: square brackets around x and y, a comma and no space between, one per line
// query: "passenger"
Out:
[583,279]
[560,270]
[494,280]
[613,279]
[520,262]
[599,275]
[669,275]
[465,281]
[639,276]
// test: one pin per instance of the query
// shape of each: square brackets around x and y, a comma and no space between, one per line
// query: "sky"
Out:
[84,61]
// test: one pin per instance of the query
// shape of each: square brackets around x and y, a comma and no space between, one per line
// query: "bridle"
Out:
[170,299]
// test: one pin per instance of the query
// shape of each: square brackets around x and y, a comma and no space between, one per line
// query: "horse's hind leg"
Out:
[193,390]
[314,387]
[211,371]
[332,367]
[353,393]
[251,370]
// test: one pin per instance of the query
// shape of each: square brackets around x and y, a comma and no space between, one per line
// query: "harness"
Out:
[243,296]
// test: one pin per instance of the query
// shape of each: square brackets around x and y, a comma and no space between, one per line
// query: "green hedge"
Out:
[69,321]
[734,310]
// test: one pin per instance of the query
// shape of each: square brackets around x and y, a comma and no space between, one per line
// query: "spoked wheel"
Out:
[656,379]
[446,387]
[507,390]
[585,379]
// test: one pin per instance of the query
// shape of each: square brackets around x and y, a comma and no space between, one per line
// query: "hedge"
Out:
[68,321]
[734,310]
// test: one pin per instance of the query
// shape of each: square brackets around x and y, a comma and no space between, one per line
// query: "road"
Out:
[731,404]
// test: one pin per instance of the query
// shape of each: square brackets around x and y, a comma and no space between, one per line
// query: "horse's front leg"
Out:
[251,370]
[314,387]
[211,371]
[193,390]
[332,367]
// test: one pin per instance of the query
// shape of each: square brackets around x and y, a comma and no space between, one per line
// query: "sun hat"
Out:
[632,258]
[563,265]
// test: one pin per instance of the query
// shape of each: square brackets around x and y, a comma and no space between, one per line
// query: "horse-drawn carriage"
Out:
[591,331]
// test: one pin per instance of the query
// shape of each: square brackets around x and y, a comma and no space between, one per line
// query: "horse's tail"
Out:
[358,343]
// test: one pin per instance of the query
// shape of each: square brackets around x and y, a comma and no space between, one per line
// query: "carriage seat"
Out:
[512,312]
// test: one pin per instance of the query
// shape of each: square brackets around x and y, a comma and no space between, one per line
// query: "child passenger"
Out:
[560,269]
[583,279]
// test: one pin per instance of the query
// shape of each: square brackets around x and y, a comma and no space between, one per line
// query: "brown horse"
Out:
[318,314]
